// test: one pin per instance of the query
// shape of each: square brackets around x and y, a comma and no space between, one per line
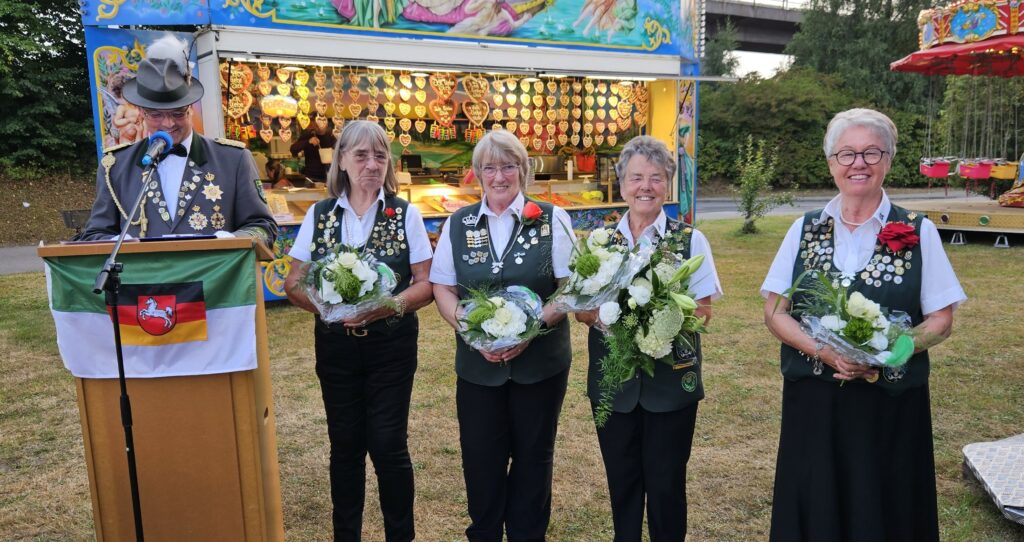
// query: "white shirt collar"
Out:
[515,208]
[834,207]
[345,204]
[658,226]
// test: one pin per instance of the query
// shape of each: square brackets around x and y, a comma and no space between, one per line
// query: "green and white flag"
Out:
[180,313]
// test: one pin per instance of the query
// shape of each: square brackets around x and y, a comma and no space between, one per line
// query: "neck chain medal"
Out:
[498,263]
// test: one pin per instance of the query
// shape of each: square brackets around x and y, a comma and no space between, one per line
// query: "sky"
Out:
[764,64]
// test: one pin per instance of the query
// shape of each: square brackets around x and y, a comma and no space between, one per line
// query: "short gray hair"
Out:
[354,133]
[650,148]
[501,146]
[881,125]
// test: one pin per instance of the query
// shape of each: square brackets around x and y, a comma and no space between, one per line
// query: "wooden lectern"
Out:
[206,448]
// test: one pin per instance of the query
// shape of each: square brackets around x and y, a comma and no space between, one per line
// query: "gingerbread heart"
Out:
[513,113]
[524,128]
[265,87]
[355,110]
[389,122]
[614,87]
[320,77]
[588,128]
[511,84]
[405,124]
[625,91]
[498,115]
[511,99]
[476,112]
[588,114]
[524,85]
[420,125]
[524,112]
[420,110]
[563,139]
[577,86]
[284,89]
[285,133]
[577,100]
[444,85]
[404,94]
[321,108]
[613,127]
[266,134]
[390,134]
[601,100]
[301,78]
[499,100]
[354,78]
[550,144]
[421,82]
[421,96]
[612,140]
[563,100]
[372,106]
[589,86]
[613,113]
[302,92]
[320,92]
[239,104]
[338,96]
[624,108]
[266,120]
[338,120]
[550,129]
[538,128]
[602,114]
[524,98]
[389,79]
[354,94]
[406,80]
[338,81]
[538,100]
[497,85]
[599,140]
[551,114]
[443,112]
[589,101]
[624,123]
[588,142]
[321,122]
[538,86]
[563,126]
[372,118]
[302,119]
[552,86]
[283,75]
[563,113]
[303,106]
[497,126]
[404,140]
[404,109]
[336,131]
[576,126]
[574,139]
[372,78]
[525,140]
[599,126]
[389,108]
[538,114]
[602,87]
[372,91]
[511,126]
[284,122]
[640,119]
[475,87]
[390,93]
[613,101]
[263,72]
[538,143]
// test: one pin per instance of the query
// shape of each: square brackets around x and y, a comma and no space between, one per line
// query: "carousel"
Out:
[977,139]
[986,40]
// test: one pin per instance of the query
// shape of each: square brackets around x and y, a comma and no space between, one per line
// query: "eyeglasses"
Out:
[870,156]
[177,114]
[654,179]
[505,169]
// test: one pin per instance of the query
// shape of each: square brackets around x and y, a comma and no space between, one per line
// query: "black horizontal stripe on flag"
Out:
[184,292]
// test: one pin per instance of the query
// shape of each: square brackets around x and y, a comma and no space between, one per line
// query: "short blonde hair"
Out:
[354,133]
[503,147]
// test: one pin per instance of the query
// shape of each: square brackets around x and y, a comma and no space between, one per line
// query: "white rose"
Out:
[328,293]
[861,307]
[879,341]
[598,237]
[832,322]
[347,259]
[497,301]
[882,323]
[641,291]
[609,313]
[631,303]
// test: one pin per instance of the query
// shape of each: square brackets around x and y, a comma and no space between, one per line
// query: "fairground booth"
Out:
[573,79]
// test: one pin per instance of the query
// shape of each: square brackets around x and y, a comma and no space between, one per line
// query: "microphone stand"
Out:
[109,281]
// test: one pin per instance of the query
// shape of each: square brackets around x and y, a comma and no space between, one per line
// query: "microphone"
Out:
[159,143]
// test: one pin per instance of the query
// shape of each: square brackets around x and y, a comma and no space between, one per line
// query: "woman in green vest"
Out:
[855,456]
[366,366]
[645,443]
[508,401]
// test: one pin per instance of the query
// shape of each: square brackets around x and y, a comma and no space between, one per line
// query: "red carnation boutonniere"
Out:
[389,212]
[897,236]
[531,212]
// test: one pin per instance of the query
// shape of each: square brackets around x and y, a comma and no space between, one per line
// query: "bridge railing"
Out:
[782,4]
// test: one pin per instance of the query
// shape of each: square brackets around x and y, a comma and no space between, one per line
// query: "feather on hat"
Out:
[164,79]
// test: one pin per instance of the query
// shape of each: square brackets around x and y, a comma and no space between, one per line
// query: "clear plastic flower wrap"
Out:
[496,320]
[600,270]
[347,284]
[856,327]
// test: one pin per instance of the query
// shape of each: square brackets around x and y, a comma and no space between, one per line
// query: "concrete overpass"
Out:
[762,26]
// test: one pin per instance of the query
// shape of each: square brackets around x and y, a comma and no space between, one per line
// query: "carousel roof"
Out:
[1001,56]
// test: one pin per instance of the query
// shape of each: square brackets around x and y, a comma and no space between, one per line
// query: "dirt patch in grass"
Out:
[976,388]
[30,210]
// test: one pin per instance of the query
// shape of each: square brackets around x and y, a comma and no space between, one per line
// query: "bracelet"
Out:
[402,303]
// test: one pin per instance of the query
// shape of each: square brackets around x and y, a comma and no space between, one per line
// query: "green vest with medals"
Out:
[673,387]
[388,242]
[526,261]
[893,280]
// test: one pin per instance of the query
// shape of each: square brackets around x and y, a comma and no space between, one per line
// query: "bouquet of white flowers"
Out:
[600,270]
[346,284]
[500,320]
[652,315]
[853,325]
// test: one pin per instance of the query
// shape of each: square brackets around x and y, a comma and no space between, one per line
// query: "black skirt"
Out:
[855,464]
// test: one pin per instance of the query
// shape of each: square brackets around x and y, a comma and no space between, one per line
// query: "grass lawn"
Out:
[976,390]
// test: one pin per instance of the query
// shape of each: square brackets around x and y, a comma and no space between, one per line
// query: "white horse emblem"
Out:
[152,311]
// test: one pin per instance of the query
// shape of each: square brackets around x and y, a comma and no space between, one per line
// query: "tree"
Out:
[857,40]
[45,114]
[718,52]
[756,164]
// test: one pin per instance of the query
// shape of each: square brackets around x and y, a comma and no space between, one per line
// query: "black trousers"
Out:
[645,455]
[516,422]
[366,381]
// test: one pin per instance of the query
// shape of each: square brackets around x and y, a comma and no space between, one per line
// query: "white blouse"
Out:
[703,282]
[442,270]
[853,249]
[356,231]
